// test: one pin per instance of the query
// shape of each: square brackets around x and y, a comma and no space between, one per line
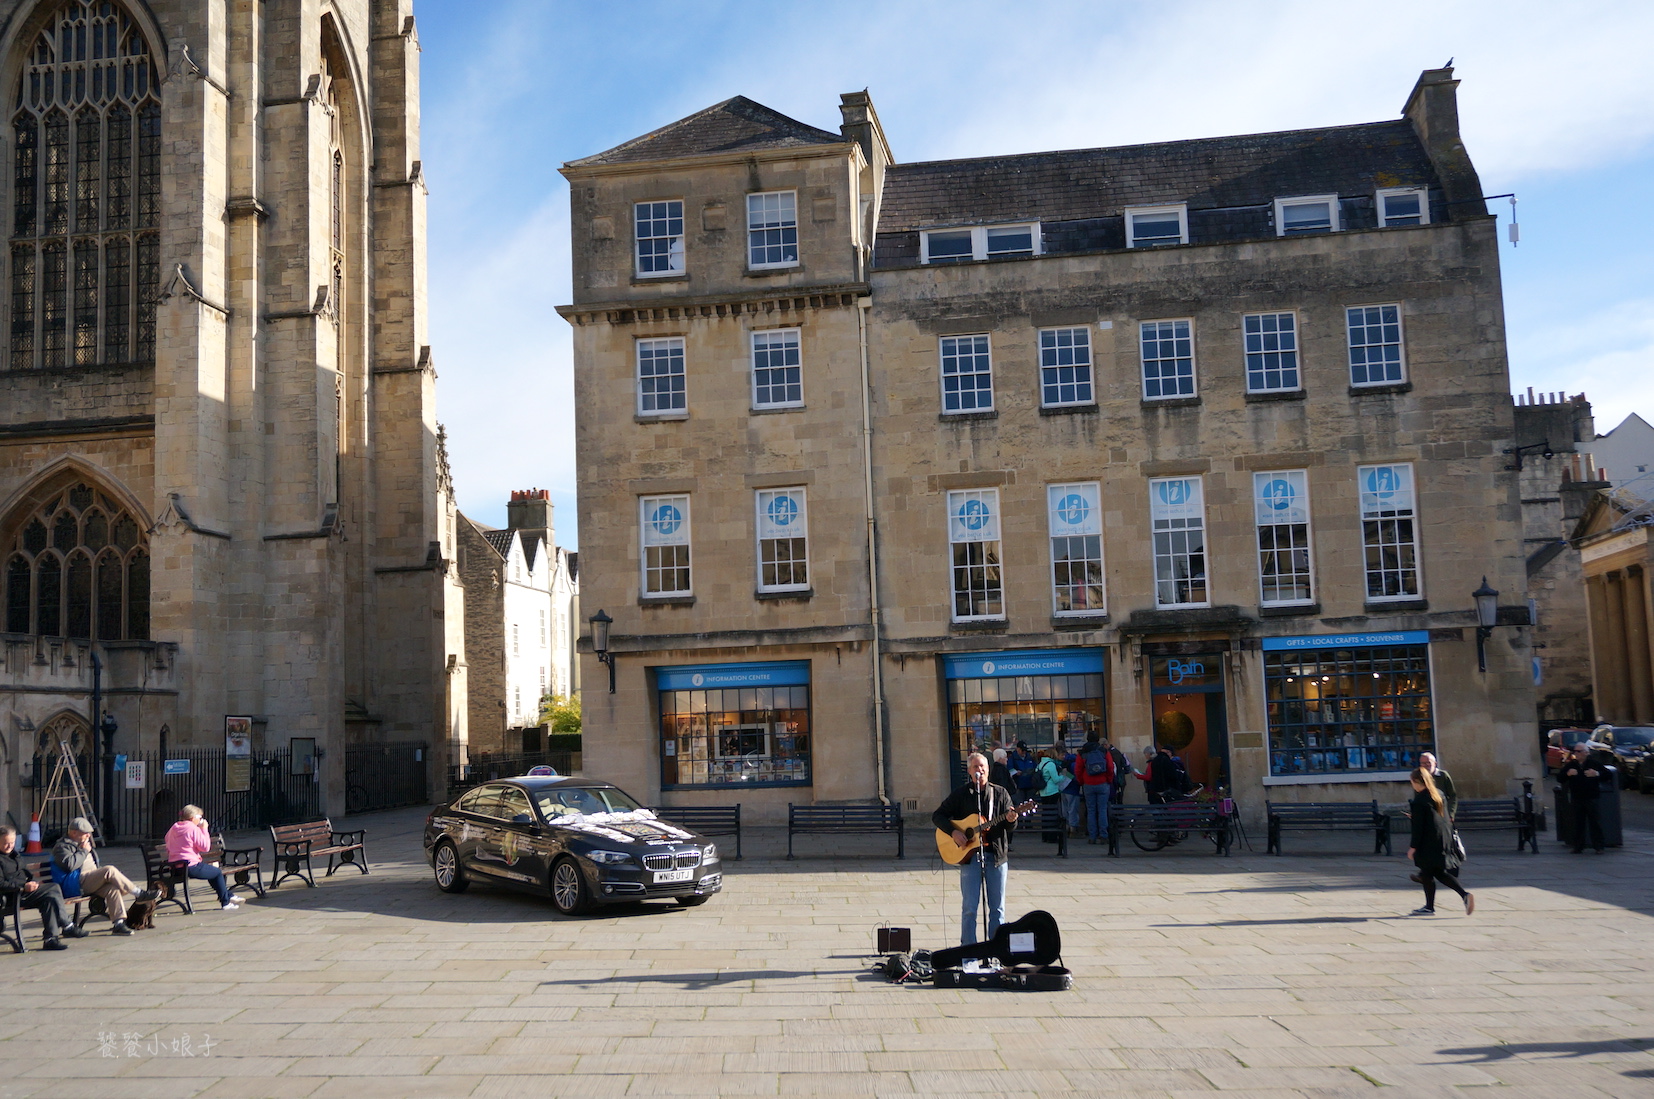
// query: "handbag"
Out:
[1457,846]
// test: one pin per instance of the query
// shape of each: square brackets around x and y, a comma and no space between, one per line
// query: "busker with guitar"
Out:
[975,821]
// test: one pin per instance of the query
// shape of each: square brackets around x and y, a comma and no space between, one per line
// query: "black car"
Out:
[1630,745]
[580,841]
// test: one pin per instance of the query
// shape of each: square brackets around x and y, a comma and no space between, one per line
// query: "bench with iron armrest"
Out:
[1497,815]
[1327,816]
[708,820]
[170,877]
[40,865]
[297,844]
[1207,818]
[803,820]
[1051,820]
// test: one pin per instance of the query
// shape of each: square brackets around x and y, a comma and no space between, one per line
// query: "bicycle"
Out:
[1198,800]
[356,795]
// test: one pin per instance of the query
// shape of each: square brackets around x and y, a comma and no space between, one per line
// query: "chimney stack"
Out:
[529,509]
[1433,109]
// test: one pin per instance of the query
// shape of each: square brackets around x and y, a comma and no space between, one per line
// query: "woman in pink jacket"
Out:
[187,841]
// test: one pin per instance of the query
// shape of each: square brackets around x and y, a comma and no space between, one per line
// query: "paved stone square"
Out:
[1252,975]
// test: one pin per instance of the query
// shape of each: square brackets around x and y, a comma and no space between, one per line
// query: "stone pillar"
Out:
[1616,699]
[1640,673]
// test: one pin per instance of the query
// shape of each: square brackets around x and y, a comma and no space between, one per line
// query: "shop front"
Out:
[734,725]
[1190,714]
[1043,697]
[1348,707]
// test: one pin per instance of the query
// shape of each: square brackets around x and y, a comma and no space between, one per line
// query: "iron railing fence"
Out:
[276,795]
[486,767]
[384,776]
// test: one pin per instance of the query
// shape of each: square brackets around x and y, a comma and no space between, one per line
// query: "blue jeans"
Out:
[206,871]
[1096,809]
[970,893]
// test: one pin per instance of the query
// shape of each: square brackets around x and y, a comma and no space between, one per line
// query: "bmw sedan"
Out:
[580,841]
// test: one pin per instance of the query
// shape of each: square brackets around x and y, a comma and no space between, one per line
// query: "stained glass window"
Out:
[63,577]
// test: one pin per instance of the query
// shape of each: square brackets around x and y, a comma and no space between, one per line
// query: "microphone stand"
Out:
[982,857]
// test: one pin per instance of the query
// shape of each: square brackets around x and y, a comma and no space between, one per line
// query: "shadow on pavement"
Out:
[695,982]
[1557,1050]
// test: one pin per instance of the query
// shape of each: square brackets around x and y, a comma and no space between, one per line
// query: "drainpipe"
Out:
[864,304]
[101,763]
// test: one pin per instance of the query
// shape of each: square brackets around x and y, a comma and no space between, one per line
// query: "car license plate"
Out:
[673,875]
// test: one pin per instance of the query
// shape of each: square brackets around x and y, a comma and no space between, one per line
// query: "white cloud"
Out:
[1608,355]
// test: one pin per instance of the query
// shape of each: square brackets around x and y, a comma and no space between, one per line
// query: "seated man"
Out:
[54,914]
[75,869]
[187,842]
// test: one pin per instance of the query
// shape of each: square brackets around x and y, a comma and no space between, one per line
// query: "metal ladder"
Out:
[66,785]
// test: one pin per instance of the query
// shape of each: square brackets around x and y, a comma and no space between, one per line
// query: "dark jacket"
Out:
[994,802]
[13,874]
[1449,793]
[1432,840]
[1000,775]
[1580,786]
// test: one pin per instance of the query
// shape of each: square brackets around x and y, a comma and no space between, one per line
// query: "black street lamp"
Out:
[1487,616]
[600,643]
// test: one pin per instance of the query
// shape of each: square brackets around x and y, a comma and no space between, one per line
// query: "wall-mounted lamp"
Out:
[1487,616]
[1516,453]
[600,643]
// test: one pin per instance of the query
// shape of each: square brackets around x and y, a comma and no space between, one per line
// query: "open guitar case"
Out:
[1028,947]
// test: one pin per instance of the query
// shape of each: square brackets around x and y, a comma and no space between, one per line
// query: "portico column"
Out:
[1641,675]
[1616,701]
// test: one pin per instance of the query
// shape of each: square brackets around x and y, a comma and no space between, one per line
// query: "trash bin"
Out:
[1608,810]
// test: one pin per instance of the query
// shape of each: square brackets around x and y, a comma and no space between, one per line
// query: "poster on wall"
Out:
[238,754]
[135,775]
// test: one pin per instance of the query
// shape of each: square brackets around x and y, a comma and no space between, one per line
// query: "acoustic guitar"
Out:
[953,853]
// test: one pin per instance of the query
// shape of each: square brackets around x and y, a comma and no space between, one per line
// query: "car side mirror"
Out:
[522,818]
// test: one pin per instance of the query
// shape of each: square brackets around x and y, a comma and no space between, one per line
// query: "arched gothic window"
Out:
[86,193]
[78,567]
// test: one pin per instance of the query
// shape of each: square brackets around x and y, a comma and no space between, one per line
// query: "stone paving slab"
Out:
[1253,975]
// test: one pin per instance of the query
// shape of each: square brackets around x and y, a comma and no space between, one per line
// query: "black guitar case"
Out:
[1029,946]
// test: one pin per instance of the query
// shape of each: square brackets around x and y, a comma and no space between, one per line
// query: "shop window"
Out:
[1046,698]
[754,734]
[973,535]
[1337,711]
[1075,521]
[1280,504]
[783,540]
[1178,516]
[1389,533]
[665,535]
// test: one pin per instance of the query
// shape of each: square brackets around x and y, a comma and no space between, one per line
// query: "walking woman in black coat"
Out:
[1432,846]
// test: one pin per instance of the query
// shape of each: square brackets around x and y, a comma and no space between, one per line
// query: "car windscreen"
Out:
[566,801]
[1633,736]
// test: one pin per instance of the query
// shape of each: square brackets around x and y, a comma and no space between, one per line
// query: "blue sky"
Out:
[1557,104]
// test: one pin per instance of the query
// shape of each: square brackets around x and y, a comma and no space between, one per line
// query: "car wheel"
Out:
[691,902]
[568,888]
[450,876]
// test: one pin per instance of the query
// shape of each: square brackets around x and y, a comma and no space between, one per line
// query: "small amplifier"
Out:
[895,940]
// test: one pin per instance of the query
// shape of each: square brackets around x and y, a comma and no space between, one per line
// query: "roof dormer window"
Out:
[980,242]
[1156,226]
[1308,214]
[1403,206]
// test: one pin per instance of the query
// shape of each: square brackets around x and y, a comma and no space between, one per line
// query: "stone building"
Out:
[1557,474]
[1197,442]
[1617,561]
[522,602]
[220,475]
[1625,454]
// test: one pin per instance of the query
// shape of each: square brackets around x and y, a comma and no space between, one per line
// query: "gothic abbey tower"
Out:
[221,477]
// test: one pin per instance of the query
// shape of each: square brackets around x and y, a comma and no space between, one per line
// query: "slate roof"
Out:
[1209,173]
[735,125]
[499,539]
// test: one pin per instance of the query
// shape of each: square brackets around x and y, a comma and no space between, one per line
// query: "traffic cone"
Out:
[32,847]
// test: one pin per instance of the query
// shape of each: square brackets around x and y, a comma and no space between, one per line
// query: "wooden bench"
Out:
[841,820]
[40,865]
[1327,816]
[170,878]
[1496,815]
[1170,823]
[708,820]
[297,844]
[1050,820]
